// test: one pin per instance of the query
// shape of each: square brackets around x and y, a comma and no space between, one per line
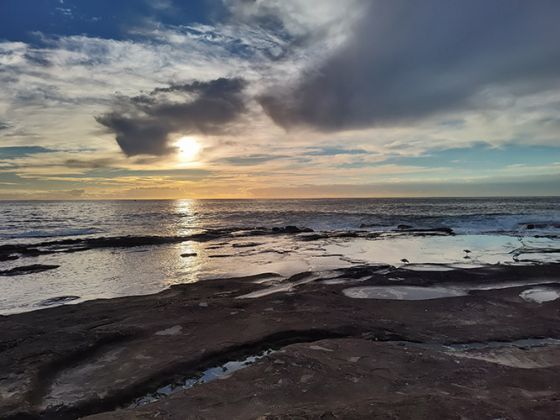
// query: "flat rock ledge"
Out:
[486,355]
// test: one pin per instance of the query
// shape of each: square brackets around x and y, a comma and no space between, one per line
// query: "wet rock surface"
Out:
[14,251]
[357,378]
[337,357]
[431,231]
[58,300]
[27,269]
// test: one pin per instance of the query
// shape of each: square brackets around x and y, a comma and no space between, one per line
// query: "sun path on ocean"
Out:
[188,148]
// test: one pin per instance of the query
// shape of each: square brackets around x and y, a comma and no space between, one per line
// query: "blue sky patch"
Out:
[484,156]
[97,18]
[20,151]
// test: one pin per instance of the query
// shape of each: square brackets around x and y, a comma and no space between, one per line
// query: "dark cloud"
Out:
[4,126]
[142,124]
[409,59]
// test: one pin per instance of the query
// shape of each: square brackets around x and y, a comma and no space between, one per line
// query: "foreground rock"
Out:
[356,378]
[340,357]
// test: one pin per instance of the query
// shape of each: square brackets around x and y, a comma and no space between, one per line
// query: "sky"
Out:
[141,99]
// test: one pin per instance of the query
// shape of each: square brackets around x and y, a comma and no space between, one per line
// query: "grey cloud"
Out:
[90,164]
[410,59]
[334,151]
[251,160]
[74,193]
[37,57]
[142,124]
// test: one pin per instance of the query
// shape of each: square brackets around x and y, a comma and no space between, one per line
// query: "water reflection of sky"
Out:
[106,273]
[186,220]
[485,249]
[186,258]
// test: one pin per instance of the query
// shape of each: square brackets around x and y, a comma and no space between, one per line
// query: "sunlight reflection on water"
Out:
[106,273]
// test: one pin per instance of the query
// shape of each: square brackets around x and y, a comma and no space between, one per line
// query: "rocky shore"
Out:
[12,252]
[488,352]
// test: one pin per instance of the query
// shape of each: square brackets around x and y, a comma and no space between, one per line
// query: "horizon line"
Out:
[283,198]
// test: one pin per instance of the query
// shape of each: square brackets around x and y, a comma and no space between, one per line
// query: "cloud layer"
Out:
[406,60]
[143,124]
[372,93]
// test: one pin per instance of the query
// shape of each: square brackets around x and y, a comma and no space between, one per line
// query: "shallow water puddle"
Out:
[339,280]
[108,273]
[286,286]
[531,353]
[540,295]
[524,343]
[427,267]
[443,251]
[461,251]
[525,353]
[209,375]
[507,285]
[57,300]
[442,267]
[402,292]
[465,266]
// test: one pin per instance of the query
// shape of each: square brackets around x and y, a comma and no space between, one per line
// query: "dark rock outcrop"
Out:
[189,254]
[58,300]
[291,229]
[27,269]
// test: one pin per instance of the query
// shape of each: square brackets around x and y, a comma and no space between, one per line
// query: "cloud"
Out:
[297,19]
[161,4]
[12,152]
[543,185]
[251,160]
[334,151]
[406,60]
[74,193]
[95,163]
[143,124]
[72,78]
[51,194]
[367,67]
[65,11]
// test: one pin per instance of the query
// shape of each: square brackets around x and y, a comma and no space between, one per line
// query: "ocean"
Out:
[242,240]
[45,219]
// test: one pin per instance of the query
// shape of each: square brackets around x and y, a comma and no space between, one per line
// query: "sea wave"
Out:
[511,216]
[51,233]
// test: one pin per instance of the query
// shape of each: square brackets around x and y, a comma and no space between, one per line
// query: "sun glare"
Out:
[188,147]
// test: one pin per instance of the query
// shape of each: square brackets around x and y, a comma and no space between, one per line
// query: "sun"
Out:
[188,148]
